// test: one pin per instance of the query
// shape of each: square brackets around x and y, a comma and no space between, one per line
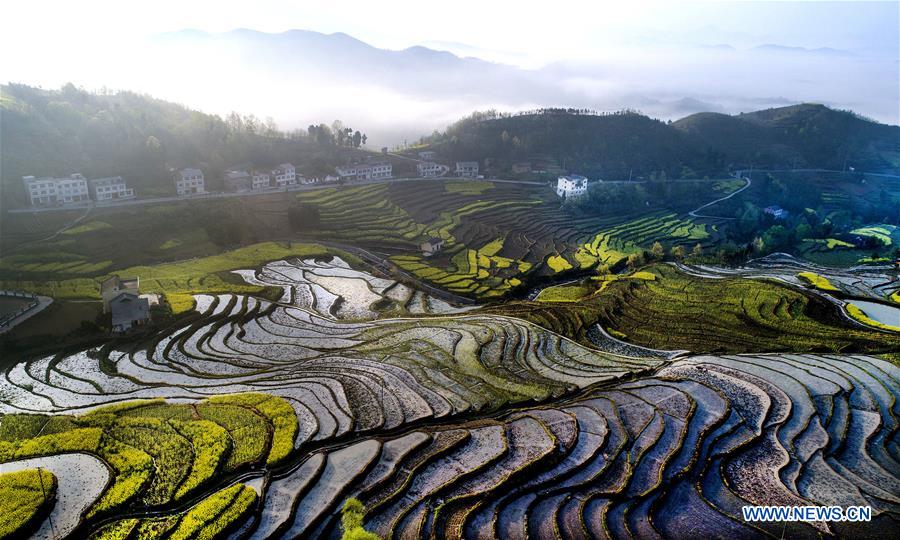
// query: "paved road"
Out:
[229,195]
[883,175]
[693,213]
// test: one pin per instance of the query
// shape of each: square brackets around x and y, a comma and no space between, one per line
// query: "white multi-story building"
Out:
[427,155]
[110,189]
[42,191]
[430,169]
[368,171]
[189,182]
[261,180]
[573,185]
[467,169]
[285,175]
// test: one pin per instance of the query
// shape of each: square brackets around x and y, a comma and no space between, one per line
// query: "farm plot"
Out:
[333,289]
[27,495]
[155,452]
[709,310]
[51,492]
[495,237]
[670,455]
[250,382]
[411,417]
[615,244]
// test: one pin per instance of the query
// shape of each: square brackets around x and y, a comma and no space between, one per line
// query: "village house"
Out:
[467,169]
[189,182]
[427,155]
[366,171]
[521,167]
[47,190]
[260,180]
[111,189]
[123,301]
[431,246]
[430,169]
[573,185]
[237,180]
[115,285]
[285,175]
[128,310]
[776,212]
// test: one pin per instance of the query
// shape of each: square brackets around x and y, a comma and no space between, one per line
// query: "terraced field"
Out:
[263,419]
[766,306]
[495,235]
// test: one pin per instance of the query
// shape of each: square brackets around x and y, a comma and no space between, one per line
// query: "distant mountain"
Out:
[307,57]
[825,51]
[615,146]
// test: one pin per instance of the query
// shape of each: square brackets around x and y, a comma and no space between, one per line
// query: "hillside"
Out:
[616,145]
[802,136]
[58,132]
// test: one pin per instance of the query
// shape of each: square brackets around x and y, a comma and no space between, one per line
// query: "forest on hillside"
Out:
[627,144]
[58,132]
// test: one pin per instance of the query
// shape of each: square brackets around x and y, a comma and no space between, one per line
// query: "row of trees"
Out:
[336,135]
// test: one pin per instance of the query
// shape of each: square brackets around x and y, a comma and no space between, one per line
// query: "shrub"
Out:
[352,515]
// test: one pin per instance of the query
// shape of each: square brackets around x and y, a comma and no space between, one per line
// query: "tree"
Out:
[657,251]
[357,139]
[635,260]
[759,246]
[698,250]
[678,252]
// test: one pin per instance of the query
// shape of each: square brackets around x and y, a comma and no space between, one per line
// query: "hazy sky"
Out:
[537,30]
[609,49]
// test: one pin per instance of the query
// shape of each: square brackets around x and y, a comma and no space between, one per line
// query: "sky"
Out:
[661,57]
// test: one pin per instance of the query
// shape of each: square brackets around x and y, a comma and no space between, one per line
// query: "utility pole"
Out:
[44,493]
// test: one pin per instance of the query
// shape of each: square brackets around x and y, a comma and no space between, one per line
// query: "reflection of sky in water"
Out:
[882,313]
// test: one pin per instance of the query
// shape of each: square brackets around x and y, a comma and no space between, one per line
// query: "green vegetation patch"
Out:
[480,273]
[90,226]
[468,187]
[25,497]
[352,515]
[596,284]
[817,281]
[882,233]
[558,263]
[210,518]
[171,243]
[732,315]
[565,293]
[160,452]
[179,280]
[278,411]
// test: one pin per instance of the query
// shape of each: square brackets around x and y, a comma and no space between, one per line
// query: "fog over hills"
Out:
[300,77]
